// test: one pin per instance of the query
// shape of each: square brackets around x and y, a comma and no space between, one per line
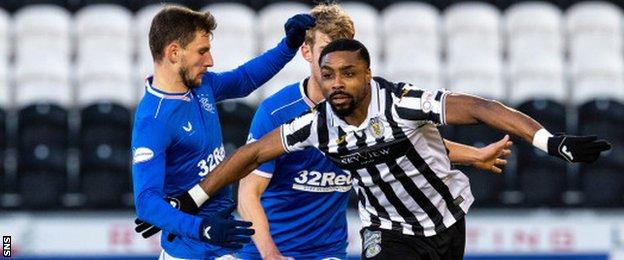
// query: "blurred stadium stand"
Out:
[71,73]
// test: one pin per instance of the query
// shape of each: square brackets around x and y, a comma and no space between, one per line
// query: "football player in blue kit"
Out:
[298,202]
[176,138]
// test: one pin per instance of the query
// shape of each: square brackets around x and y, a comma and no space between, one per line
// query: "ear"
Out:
[306,52]
[369,74]
[173,52]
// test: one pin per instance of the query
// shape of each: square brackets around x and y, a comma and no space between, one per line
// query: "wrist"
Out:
[540,139]
[198,195]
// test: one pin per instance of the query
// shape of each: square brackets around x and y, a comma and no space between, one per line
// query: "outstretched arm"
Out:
[467,109]
[244,160]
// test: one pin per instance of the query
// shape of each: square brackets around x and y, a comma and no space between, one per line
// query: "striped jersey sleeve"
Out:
[298,133]
[421,105]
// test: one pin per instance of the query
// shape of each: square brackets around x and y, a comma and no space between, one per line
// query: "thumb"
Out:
[504,140]
[227,211]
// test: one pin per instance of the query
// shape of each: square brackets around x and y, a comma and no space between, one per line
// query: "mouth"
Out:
[340,98]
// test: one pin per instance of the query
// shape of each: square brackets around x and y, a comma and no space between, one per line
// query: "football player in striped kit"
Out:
[412,203]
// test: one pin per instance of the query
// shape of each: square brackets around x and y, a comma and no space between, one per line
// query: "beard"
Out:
[343,110]
[187,80]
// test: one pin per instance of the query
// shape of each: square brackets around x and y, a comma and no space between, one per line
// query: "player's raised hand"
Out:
[577,148]
[222,230]
[492,157]
[296,28]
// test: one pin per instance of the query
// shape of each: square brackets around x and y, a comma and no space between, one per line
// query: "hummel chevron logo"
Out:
[188,127]
[206,230]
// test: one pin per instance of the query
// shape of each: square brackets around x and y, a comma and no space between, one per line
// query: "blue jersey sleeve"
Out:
[243,80]
[262,124]
[150,139]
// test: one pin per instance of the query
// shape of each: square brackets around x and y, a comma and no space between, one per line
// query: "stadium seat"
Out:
[105,122]
[534,29]
[412,44]
[128,4]
[541,77]
[104,57]
[6,95]
[42,155]
[486,187]
[102,31]
[597,77]
[5,54]
[368,25]
[105,80]
[272,18]
[477,75]
[18,4]
[542,178]
[535,50]
[42,55]
[104,148]
[235,118]
[605,118]
[410,28]
[5,34]
[596,51]
[144,62]
[42,31]
[595,25]
[3,145]
[3,123]
[235,36]
[42,80]
[145,3]
[474,51]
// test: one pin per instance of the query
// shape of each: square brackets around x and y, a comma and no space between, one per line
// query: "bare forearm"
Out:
[251,210]
[244,160]
[461,153]
[238,165]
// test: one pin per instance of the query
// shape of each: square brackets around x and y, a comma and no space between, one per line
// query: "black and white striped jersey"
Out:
[403,176]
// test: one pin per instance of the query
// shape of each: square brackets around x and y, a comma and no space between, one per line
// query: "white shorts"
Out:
[165,256]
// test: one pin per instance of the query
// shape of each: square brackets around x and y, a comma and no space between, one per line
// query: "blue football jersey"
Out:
[306,199]
[176,141]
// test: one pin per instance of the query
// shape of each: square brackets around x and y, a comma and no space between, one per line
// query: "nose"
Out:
[337,83]
[208,61]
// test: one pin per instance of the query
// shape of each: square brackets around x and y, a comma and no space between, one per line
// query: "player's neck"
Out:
[168,80]
[313,91]
[360,113]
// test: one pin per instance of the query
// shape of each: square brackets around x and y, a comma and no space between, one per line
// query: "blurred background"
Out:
[71,73]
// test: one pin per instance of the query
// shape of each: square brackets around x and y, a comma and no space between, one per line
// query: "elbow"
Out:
[142,206]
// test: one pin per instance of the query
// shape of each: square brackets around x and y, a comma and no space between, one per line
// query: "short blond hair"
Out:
[332,21]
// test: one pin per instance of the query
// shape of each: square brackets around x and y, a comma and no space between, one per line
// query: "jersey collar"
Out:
[164,95]
[302,85]
[374,110]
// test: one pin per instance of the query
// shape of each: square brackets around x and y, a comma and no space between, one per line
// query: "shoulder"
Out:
[402,90]
[287,96]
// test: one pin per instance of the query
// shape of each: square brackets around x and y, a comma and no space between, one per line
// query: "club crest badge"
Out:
[372,243]
[376,128]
